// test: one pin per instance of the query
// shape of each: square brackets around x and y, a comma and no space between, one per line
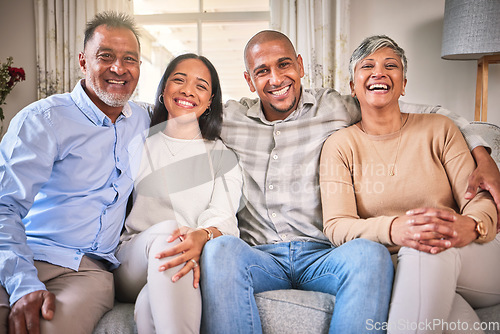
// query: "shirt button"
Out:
[271,187]
[283,236]
[118,159]
[273,214]
[275,157]
[76,258]
[278,133]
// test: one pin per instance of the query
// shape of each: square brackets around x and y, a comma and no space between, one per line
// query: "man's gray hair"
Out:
[112,20]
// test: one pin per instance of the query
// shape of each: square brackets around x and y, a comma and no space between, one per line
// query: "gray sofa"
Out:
[294,311]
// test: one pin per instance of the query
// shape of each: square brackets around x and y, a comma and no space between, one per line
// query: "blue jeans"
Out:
[359,273]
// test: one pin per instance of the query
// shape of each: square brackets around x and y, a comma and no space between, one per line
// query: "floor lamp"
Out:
[471,31]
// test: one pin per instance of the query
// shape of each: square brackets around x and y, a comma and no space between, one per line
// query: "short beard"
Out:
[286,110]
[112,100]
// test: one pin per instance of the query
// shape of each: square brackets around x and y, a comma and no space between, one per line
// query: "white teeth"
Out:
[117,82]
[377,86]
[186,103]
[281,91]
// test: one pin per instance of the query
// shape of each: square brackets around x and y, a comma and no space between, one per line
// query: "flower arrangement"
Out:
[9,77]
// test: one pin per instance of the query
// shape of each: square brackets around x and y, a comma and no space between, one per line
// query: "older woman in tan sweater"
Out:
[399,179]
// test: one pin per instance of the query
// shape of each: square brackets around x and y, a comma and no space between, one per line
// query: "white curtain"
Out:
[319,29]
[60,26]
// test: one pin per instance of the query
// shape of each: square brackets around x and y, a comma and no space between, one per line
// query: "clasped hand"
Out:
[432,230]
[190,247]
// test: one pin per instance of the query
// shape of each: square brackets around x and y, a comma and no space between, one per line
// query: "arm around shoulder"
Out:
[486,176]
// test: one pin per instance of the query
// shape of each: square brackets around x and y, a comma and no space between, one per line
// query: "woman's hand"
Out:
[427,230]
[433,230]
[466,231]
[189,250]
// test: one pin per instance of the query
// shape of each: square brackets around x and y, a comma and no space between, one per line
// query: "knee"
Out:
[4,318]
[371,256]
[161,229]
[219,248]
[445,259]
[219,253]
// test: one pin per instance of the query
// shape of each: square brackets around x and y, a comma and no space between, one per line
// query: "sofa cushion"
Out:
[120,320]
[295,311]
[281,311]
[490,317]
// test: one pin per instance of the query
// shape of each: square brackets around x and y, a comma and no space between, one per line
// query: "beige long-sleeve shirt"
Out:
[360,199]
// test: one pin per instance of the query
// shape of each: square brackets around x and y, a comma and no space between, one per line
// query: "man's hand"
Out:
[25,314]
[486,176]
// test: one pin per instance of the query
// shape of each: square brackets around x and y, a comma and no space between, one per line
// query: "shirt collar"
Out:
[306,98]
[89,109]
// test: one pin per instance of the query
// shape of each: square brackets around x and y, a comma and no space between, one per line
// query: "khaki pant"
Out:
[82,297]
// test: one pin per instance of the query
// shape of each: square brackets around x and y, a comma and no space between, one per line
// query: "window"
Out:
[216,29]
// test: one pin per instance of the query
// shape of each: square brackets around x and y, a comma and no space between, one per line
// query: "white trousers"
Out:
[161,306]
[436,293]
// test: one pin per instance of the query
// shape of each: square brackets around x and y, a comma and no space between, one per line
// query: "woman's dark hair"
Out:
[210,121]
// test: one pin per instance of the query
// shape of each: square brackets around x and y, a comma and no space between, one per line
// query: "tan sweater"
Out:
[360,199]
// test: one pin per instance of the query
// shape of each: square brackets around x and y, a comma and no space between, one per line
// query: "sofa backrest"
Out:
[491,133]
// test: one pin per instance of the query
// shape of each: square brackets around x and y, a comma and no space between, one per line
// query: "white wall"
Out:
[417,27]
[17,24]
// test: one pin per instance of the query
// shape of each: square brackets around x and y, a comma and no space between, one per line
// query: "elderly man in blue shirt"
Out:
[64,183]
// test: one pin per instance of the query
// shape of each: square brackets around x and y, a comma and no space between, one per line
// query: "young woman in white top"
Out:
[187,191]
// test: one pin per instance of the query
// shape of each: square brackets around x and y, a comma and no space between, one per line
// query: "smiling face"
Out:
[379,80]
[274,72]
[188,89]
[111,65]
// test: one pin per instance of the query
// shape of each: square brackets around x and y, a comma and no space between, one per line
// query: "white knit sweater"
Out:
[195,182]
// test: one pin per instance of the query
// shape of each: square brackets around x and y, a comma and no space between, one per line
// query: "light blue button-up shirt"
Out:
[64,183]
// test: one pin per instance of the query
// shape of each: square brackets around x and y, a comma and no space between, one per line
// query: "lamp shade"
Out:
[471,29]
